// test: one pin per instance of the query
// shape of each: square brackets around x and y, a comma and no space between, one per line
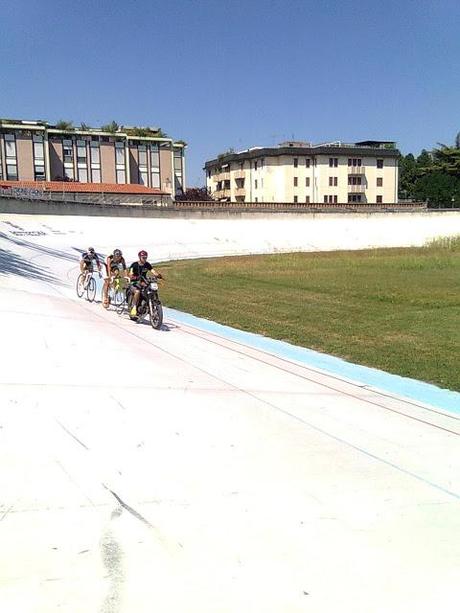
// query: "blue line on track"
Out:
[394,384]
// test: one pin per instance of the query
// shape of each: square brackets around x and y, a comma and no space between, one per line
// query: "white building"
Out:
[298,172]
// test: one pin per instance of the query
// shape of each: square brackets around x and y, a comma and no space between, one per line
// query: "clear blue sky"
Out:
[238,73]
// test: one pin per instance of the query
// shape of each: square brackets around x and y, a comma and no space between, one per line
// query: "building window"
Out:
[296,162]
[354,197]
[333,162]
[325,199]
[354,161]
[262,163]
[178,171]
[155,165]
[255,184]
[379,163]
[335,199]
[83,175]
[81,152]
[120,162]
[69,173]
[307,181]
[379,199]
[142,164]
[120,154]
[354,180]
[307,199]
[12,172]
[95,159]
[379,182]
[296,181]
[307,162]
[333,181]
[67,151]
[39,157]
[255,165]
[295,199]
[256,200]
[10,158]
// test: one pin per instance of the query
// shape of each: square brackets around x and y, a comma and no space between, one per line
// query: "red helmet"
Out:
[142,253]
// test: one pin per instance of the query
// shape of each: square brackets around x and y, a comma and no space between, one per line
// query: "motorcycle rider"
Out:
[114,265]
[137,274]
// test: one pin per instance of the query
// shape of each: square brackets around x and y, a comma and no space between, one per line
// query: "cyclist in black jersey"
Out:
[87,262]
[137,274]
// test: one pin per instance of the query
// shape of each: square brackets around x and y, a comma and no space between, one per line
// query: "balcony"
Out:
[357,189]
[222,193]
[240,191]
[238,174]
[356,170]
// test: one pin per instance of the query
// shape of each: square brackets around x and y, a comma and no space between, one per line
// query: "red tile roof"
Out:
[74,186]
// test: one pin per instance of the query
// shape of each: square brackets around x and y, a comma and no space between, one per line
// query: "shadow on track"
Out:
[55,253]
[12,264]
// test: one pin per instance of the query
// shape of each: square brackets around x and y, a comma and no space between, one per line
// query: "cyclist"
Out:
[137,274]
[114,266]
[86,263]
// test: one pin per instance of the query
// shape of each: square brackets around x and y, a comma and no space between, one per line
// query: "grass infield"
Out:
[393,309]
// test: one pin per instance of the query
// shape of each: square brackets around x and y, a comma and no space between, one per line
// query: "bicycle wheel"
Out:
[156,314]
[91,289]
[118,298]
[80,287]
[120,308]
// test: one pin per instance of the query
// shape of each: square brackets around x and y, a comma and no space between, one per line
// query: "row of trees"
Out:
[113,127]
[432,177]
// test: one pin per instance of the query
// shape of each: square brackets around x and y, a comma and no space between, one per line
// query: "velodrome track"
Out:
[187,471]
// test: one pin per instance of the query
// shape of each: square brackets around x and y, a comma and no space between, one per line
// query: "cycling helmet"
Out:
[91,249]
[142,253]
[117,253]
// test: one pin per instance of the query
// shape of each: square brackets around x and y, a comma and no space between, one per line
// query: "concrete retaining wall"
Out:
[183,235]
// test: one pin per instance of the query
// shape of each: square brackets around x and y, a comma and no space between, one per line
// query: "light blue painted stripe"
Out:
[393,384]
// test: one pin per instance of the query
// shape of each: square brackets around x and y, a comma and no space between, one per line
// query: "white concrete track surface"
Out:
[174,471]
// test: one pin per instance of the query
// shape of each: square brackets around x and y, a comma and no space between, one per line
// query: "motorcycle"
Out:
[149,302]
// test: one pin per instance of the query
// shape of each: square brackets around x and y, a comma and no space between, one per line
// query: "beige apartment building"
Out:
[299,172]
[39,151]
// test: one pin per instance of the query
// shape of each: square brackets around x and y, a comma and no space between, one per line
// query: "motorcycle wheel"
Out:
[156,314]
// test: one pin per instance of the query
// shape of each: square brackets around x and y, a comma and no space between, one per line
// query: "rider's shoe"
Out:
[133,312]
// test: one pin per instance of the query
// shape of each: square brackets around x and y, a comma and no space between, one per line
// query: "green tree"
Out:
[407,176]
[438,189]
[424,160]
[64,125]
[111,127]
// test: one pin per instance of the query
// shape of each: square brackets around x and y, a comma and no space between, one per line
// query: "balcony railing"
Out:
[238,174]
[356,189]
[356,170]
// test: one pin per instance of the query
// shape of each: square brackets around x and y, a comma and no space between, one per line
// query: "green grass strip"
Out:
[393,309]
